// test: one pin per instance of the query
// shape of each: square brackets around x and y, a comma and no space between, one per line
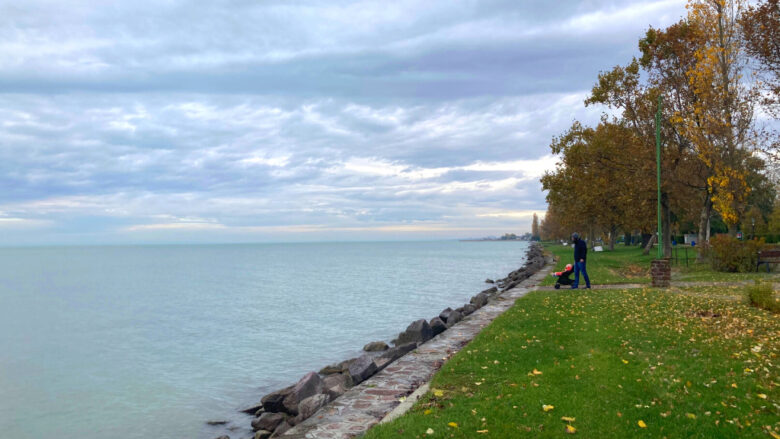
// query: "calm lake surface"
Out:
[151,341]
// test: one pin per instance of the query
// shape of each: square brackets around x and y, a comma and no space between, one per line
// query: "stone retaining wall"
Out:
[366,404]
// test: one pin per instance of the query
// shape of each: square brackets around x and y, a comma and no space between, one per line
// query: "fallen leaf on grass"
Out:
[427,412]
[482,431]
[438,393]
[547,408]
[774,435]
[567,419]
[690,416]
[761,395]
[429,431]
[641,424]
[453,424]
[569,429]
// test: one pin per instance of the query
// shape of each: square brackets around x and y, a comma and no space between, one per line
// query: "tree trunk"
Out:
[646,238]
[650,244]
[704,226]
[591,240]
[666,224]
[627,239]
[612,237]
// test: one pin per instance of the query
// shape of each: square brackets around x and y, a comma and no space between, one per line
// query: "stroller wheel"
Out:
[557,286]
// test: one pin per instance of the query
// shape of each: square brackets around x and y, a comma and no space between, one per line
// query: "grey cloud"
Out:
[312,49]
[235,117]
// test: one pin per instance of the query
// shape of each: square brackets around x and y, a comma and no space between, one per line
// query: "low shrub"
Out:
[762,295]
[734,256]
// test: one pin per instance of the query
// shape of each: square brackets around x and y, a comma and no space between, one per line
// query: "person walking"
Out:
[580,257]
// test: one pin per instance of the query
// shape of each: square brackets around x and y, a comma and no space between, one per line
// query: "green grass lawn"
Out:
[628,265]
[695,362]
[622,265]
[702,272]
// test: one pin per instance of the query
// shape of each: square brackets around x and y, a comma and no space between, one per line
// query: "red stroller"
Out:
[563,276]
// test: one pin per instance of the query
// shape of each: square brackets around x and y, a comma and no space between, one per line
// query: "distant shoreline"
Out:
[493,240]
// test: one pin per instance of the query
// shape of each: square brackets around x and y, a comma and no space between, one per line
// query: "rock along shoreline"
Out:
[279,412]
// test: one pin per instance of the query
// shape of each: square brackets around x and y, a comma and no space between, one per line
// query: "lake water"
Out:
[151,341]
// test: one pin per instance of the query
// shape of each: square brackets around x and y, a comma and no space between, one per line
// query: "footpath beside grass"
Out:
[683,362]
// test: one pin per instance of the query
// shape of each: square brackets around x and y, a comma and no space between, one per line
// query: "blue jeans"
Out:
[580,266]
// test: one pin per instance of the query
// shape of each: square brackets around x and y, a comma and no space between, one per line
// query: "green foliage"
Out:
[769,238]
[762,295]
[734,256]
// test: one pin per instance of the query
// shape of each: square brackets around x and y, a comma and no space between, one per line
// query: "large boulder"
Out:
[376,346]
[310,405]
[468,309]
[263,434]
[437,326]
[274,402]
[268,421]
[492,290]
[419,331]
[336,368]
[309,385]
[282,429]
[361,369]
[330,369]
[454,318]
[393,354]
[445,314]
[252,409]
[479,300]
[336,385]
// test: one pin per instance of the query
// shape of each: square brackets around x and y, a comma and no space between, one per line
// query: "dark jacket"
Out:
[580,250]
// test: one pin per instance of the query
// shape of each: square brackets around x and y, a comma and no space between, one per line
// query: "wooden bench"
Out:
[771,256]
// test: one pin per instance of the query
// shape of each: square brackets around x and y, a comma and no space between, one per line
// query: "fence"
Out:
[681,255]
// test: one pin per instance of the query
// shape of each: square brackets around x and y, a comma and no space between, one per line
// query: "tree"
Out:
[761,30]
[535,228]
[753,222]
[551,227]
[774,220]
[720,125]
[583,187]
[622,88]
[667,57]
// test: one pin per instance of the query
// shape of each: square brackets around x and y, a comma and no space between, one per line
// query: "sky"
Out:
[171,121]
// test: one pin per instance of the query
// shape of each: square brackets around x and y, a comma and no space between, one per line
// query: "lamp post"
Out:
[660,269]
[753,228]
[658,169]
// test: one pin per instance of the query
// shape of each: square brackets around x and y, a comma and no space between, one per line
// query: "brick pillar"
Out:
[661,272]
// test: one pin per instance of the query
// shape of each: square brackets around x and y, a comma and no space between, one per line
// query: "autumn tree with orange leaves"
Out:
[709,160]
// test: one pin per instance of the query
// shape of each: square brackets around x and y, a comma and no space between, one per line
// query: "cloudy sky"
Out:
[279,120]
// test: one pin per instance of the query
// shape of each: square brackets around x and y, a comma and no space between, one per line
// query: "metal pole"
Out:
[658,168]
